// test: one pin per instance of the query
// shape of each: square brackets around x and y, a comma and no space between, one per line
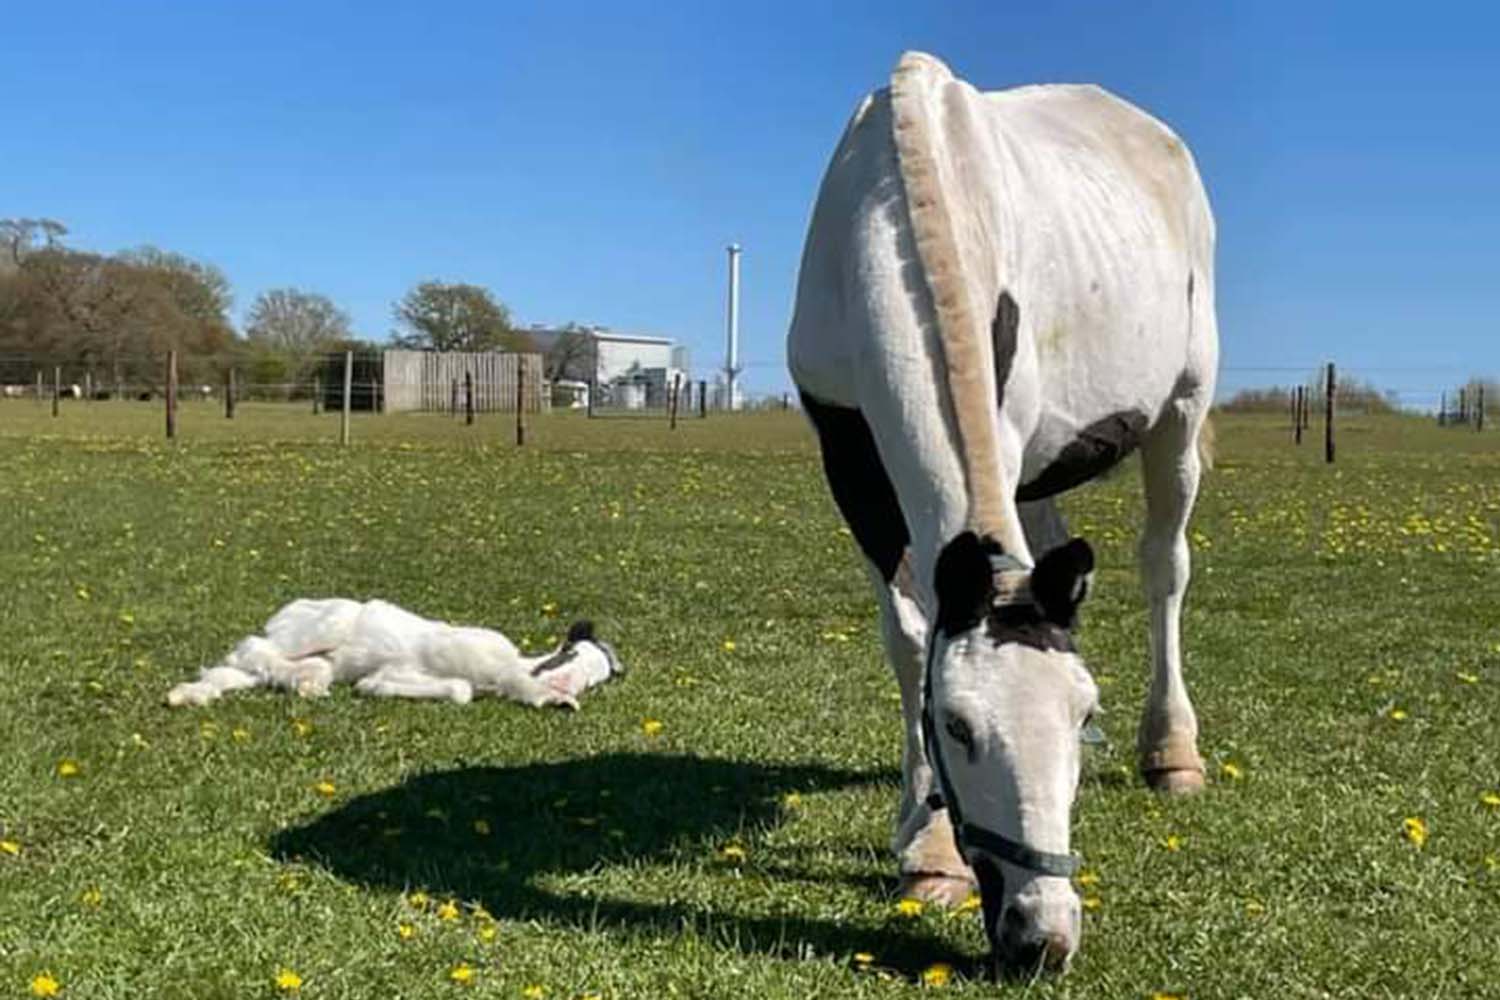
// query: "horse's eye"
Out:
[959,730]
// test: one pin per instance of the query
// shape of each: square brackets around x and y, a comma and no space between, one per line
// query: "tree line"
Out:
[116,316]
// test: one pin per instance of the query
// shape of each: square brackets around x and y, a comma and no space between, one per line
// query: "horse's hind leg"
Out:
[1167,740]
[930,865]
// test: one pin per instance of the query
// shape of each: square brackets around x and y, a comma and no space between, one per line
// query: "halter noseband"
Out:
[1009,591]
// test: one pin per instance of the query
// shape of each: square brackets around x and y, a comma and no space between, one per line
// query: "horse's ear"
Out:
[964,582]
[1061,581]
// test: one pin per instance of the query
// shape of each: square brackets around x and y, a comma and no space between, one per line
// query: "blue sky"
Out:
[590,163]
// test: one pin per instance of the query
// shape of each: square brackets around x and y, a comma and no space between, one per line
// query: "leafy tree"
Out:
[199,289]
[571,355]
[437,316]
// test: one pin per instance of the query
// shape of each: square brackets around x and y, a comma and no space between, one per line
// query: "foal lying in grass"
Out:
[386,651]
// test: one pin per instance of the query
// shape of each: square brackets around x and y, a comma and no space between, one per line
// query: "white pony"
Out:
[386,651]
[1001,295]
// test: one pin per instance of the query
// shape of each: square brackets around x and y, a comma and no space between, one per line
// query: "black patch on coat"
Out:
[580,631]
[1003,336]
[965,583]
[561,658]
[859,484]
[1098,447]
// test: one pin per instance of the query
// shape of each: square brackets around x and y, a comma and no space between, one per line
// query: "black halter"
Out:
[969,835]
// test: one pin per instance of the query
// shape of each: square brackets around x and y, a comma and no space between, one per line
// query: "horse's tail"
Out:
[933,127]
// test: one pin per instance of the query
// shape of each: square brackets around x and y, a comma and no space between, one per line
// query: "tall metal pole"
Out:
[732,352]
[348,391]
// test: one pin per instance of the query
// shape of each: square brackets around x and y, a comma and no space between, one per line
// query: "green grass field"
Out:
[1343,654]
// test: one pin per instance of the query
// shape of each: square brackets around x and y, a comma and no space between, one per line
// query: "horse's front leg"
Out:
[930,866]
[1167,740]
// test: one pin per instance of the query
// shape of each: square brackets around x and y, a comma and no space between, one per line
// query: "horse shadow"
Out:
[497,836]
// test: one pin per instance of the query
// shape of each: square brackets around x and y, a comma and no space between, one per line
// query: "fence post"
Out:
[702,399]
[1328,416]
[1297,414]
[229,394]
[88,387]
[1442,409]
[593,391]
[348,392]
[38,387]
[520,400]
[171,394]
[317,394]
[468,398]
[673,402]
[56,387]
[1479,407]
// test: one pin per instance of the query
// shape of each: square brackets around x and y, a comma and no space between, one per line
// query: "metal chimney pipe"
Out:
[732,355]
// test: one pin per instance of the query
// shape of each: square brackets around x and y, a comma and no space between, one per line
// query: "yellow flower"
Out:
[550,608]
[462,973]
[68,769]
[728,645]
[1398,714]
[487,933]
[1414,829]
[1468,678]
[417,900]
[288,981]
[971,903]
[1231,771]
[91,897]
[301,727]
[44,984]
[1087,877]
[240,734]
[1092,903]
[11,847]
[1254,907]
[791,800]
[482,827]
[405,931]
[652,727]
[533,992]
[448,911]
[909,907]
[937,974]
[1172,843]
[733,853]
[1491,799]
[1167,996]
[863,958]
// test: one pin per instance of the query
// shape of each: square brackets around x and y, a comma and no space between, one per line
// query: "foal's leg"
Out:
[400,682]
[1167,740]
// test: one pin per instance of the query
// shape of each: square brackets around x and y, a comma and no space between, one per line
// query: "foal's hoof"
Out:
[937,889]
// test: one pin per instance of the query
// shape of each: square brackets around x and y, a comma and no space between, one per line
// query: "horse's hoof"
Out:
[937,889]
[1175,781]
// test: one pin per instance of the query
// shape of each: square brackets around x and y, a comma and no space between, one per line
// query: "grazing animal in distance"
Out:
[1001,295]
[386,651]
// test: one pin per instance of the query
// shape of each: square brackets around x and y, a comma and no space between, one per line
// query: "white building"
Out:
[632,370]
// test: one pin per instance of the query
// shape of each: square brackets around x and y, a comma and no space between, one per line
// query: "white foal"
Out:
[386,651]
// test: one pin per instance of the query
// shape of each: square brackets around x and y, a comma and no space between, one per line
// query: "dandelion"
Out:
[971,903]
[68,769]
[45,984]
[1172,842]
[937,974]
[448,911]
[863,959]
[239,734]
[1231,771]
[1087,877]
[1167,996]
[487,933]
[482,827]
[909,907]
[1491,799]
[417,900]
[1398,715]
[791,800]
[733,853]
[728,645]
[405,931]
[11,847]
[1092,903]
[325,788]
[91,897]
[1254,907]
[534,992]
[288,981]
[652,727]
[462,974]
[302,727]
[549,609]
[1414,829]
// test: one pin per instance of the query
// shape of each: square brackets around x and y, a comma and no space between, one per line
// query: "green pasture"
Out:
[715,823]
